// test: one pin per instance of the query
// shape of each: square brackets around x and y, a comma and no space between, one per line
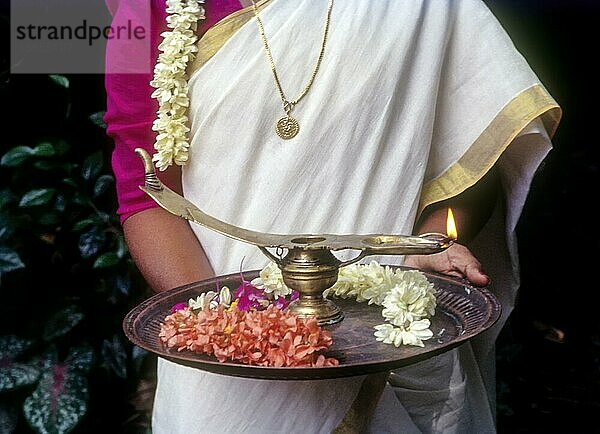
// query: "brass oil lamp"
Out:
[309,265]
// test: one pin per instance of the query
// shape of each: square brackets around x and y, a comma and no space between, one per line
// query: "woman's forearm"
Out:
[165,249]
[163,246]
[471,209]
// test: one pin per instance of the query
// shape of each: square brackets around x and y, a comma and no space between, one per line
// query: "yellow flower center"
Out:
[233,306]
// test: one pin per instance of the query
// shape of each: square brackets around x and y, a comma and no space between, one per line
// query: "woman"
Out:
[413,106]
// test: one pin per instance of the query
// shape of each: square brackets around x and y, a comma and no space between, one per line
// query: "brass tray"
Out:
[463,311]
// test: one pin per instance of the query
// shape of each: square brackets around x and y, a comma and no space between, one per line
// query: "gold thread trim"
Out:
[215,37]
[485,151]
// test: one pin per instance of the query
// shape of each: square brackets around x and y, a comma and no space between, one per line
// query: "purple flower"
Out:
[249,297]
[281,303]
[178,306]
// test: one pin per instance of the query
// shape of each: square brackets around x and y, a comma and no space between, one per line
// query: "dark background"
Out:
[548,353]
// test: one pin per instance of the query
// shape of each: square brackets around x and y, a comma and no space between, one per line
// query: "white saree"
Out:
[415,101]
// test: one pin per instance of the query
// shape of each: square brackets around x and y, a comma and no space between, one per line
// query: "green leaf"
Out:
[12,346]
[98,119]
[82,224]
[123,284]
[60,204]
[92,166]
[70,182]
[103,216]
[49,358]
[103,183]
[5,232]
[138,356]
[9,260]
[62,322]
[15,374]
[16,156]
[59,401]
[106,260]
[91,242]
[49,219]
[47,165]
[6,197]
[44,150]
[9,415]
[81,358]
[61,147]
[6,227]
[115,356]
[40,196]
[80,198]
[61,80]
[121,246]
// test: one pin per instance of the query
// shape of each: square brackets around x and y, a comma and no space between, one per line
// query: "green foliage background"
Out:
[66,278]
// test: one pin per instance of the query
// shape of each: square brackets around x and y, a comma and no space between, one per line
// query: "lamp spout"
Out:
[151,180]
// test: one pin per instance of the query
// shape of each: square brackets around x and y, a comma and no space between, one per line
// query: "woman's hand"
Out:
[457,261]
[472,209]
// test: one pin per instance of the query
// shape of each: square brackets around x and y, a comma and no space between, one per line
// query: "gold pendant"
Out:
[287,127]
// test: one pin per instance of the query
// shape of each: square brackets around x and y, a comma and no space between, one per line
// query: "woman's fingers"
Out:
[462,260]
[456,261]
[475,275]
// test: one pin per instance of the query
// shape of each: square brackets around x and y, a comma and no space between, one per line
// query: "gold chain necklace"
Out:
[287,127]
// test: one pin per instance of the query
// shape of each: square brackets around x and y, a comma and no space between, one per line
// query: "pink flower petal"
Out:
[269,337]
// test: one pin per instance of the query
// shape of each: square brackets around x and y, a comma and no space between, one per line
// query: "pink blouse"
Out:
[130,111]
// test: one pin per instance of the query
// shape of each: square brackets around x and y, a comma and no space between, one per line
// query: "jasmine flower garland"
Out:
[407,297]
[177,50]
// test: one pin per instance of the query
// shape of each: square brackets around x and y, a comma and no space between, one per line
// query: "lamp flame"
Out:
[451,225]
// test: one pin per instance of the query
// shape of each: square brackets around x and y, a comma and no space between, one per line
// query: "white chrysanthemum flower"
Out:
[270,281]
[203,300]
[177,50]
[413,333]
[411,299]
